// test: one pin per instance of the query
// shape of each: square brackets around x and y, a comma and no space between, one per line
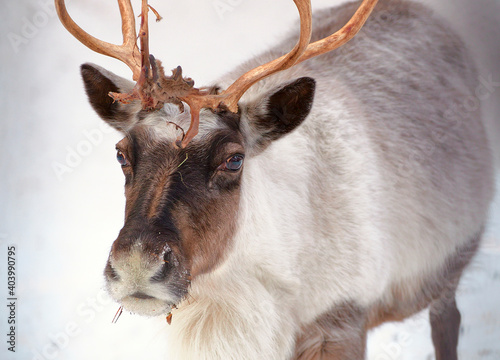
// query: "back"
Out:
[417,87]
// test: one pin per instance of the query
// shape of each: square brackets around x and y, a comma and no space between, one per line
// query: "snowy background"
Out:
[61,197]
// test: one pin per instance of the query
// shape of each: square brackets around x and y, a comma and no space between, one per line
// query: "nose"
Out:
[142,279]
[145,271]
[140,264]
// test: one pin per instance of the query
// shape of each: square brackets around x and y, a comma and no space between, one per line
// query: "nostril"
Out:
[162,273]
[110,272]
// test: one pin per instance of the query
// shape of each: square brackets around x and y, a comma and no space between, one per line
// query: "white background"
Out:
[63,223]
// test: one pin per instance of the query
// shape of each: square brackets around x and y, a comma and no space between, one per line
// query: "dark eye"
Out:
[121,158]
[234,163]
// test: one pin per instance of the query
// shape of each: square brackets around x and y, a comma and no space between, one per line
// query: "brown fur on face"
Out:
[207,222]
[207,232]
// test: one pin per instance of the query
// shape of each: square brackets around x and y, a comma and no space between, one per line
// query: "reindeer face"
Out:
[181,203]
[180,211]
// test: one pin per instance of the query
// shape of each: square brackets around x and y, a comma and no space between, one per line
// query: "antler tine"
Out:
[342,36]
[300,52]
[238,88]
[127,52]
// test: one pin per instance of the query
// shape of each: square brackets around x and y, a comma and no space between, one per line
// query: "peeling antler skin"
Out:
[154,88]
[157,89]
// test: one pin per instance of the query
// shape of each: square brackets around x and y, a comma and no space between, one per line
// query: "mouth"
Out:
[146,305]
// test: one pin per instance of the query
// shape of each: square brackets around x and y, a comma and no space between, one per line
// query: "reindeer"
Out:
[312,198]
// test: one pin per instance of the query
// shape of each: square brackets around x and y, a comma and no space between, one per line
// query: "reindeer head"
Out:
[182,203]
[182,191]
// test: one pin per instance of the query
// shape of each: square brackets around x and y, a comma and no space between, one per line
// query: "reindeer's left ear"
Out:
[280,112]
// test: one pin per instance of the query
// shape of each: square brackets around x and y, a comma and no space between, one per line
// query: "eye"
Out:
[234,163]
[120,156]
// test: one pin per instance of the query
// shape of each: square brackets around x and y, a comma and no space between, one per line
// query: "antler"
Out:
[240,86]
[301,52]
[127,52]
[154,88]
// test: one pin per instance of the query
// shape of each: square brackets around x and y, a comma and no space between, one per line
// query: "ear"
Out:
[280,112]
[98,83]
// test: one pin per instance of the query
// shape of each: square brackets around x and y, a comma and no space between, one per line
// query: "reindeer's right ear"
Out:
[98,83]
[278,112]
